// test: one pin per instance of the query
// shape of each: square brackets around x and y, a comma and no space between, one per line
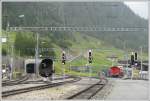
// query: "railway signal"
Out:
[135,59]
[63,57]
[132,59]
[90,56]
[135,55]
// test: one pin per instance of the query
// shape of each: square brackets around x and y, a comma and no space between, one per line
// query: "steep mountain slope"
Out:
[102,14]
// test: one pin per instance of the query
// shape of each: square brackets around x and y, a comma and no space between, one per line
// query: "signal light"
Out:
[63,58]
[135,55]
[90,56]
[132,59]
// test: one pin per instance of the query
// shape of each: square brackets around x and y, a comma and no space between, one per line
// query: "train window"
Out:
[30,68]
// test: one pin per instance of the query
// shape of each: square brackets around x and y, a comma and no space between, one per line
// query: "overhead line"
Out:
[109,29]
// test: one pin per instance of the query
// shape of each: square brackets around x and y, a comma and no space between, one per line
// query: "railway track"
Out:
[23,90]
[10,83]
[41,81]
[24,81]
[89,92]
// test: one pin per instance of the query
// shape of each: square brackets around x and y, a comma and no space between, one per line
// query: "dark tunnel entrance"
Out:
[30,68]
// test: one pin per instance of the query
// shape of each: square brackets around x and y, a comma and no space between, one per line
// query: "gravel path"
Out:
[30,83]
[20,86]
[55,93]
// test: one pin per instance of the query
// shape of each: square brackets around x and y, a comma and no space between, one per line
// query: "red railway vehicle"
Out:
[115,71]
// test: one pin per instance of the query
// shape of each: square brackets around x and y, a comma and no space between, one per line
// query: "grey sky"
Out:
[139,7]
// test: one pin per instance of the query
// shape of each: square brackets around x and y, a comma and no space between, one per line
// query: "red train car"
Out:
[115,71]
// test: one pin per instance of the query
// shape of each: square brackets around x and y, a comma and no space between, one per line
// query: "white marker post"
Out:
[64,72]
[90,73]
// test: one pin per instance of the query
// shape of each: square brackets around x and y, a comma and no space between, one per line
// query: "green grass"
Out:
[82,44]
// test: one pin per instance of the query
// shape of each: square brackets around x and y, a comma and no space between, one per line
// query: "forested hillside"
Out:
[78,14]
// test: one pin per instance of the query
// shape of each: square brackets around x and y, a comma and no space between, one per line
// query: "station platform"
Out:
[129,90]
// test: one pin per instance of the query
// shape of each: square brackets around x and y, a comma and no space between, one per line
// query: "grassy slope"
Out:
[99,56]
[100,61]
[82,44]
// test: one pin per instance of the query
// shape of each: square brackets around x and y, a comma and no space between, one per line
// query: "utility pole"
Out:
[126,58]
[8,49]
[12,52]
[141,62]
[127,68]
[125,53]
[81,68]
[37,54]
[11,62]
